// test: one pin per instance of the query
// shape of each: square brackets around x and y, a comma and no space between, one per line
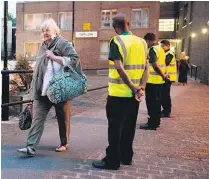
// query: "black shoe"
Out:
[126,163]
[147,127]
[164,115]
[101,164]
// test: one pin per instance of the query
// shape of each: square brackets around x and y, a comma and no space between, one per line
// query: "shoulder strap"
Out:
[52,60]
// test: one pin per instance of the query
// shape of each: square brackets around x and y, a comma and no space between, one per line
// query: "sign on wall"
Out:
[89,34]
[86,26]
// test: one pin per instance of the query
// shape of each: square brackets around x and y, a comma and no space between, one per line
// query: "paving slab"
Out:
[178,149]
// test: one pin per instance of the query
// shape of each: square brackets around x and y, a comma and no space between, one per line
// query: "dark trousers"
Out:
[166,97]
[153,102]
[122,116]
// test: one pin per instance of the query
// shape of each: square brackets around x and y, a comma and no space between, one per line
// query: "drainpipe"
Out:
[5,76]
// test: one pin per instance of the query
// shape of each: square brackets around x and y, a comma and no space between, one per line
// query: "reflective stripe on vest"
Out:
[155,78]
[133,55]
[129,67]
[172,68]
[120,81]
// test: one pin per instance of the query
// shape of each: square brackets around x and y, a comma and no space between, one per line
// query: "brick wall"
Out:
[88,49]
[199,48]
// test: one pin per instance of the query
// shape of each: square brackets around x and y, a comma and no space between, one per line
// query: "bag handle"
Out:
[52,66]
[51,59]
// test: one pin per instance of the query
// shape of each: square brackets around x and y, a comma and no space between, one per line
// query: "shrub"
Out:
[26,78]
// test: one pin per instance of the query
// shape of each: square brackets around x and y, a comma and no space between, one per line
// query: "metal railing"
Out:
[195,68]
[8,72]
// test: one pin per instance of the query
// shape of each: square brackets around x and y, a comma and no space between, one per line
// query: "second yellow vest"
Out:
[172,68]
[155,78]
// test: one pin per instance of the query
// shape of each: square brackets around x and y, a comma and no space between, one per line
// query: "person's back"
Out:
[171,70]
[183,66]
[155,81]
[183,70]
[133,50]
[128,73]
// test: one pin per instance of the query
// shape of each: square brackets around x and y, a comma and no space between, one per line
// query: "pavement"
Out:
[179,149]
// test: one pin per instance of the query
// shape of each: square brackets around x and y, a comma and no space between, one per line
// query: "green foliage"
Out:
[11,18]
[26,78]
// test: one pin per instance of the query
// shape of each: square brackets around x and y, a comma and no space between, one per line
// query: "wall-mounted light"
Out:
[204,31]
[193,35]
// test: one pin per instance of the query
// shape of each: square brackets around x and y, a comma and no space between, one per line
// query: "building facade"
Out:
[93,18]
[193,30]
[186,25]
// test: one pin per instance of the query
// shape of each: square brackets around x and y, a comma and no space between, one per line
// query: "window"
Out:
[191,11]
[189,45]
[34,21]
[106,18]
[183,44]
[31,49]
[177,24]
[104,50]
[65,20]
[185,15]
[140,18]
[166,25]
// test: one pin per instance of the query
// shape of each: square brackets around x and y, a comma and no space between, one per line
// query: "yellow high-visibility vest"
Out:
[172,68]
[133,51]
[155,78]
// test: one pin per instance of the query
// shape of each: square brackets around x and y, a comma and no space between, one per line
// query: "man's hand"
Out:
[137,90]
[139,93]
[166,77]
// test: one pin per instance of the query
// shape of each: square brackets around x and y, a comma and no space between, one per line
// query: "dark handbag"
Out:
[25,118]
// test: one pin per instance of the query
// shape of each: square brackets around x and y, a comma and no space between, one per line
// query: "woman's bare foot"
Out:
[62,148]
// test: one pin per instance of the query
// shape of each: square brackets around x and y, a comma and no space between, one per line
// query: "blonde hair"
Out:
[52,24]
[183,56]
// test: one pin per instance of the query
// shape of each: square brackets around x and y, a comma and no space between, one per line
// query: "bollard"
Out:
[191,71]
[195,73]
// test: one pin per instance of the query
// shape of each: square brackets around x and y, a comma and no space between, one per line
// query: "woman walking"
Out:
[54,54]
[183,69]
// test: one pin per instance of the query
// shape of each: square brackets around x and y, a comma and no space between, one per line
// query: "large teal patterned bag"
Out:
[67,84]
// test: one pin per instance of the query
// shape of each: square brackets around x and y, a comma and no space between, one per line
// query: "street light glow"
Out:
[204,30]
[193,35]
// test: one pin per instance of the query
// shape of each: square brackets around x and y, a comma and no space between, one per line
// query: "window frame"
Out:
[191,12]
[33,18]
[102,59]
[185,15]
[30,42]
[111,21]
[167,30]
[148,18]
[58,23]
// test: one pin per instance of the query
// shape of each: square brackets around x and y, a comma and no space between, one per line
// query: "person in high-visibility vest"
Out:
[171,69]
[128,73]
[157,77]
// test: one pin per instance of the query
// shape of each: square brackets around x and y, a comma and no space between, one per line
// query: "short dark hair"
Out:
[165,42]
[120,21]
[150,36]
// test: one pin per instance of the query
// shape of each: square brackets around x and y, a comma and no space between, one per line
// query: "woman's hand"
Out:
[50,55]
